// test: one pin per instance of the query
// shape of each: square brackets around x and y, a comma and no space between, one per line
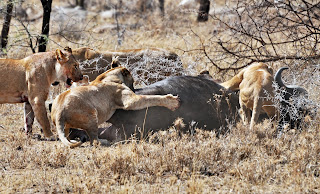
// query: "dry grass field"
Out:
[241,161]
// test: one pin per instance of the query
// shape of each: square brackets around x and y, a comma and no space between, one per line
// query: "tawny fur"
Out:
[256,92]
[28,81]
[96,62]
[86,80]
[86,107]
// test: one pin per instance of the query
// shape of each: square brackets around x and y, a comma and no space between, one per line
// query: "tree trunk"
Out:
[46,4]
[161,2]
[204,10]
[80,3]
[6,25]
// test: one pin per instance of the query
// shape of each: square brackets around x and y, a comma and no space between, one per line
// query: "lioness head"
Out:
[118,75]
[84,82]
[69,67]
[127,78]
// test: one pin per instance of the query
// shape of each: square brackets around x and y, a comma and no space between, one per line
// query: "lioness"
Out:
[146,65]
[255,85]
[28,81]
[256,94]
[86,107]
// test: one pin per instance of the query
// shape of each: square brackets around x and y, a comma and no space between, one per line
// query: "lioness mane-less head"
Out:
[69,64]
[118,75]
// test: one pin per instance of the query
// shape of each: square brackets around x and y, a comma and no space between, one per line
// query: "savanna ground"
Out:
[239,161]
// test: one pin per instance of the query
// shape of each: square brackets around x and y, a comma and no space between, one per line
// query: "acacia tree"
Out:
[46,4]
[6,24]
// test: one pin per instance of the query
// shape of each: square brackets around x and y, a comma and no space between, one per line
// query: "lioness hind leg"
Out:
[244,113]
[93,134]
[28,117]
[257,105]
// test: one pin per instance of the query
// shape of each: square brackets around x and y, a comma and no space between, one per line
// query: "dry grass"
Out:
[241,161]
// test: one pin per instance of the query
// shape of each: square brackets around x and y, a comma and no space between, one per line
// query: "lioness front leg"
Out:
[40,112]
[131,101]
[28,117]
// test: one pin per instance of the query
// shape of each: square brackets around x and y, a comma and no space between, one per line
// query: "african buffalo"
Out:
[292,106]
[204,104]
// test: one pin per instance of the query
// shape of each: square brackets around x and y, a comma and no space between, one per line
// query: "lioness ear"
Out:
[86,79]
[60,56]
[115,63]
[68,49]
[125,72]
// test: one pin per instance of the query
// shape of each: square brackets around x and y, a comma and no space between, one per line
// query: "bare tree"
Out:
[6,24]
[263,31]
[203,10]
[120,34]
[46,4]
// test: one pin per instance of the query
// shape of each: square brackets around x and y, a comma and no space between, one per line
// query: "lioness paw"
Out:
[174,102]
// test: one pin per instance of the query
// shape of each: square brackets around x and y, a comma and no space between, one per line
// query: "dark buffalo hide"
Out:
[204,104]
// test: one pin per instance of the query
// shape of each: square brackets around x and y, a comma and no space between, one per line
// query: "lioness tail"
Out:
[60,124]
[233,83]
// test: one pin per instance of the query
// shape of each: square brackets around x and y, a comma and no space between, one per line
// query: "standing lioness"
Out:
[28,81]
[86,107]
